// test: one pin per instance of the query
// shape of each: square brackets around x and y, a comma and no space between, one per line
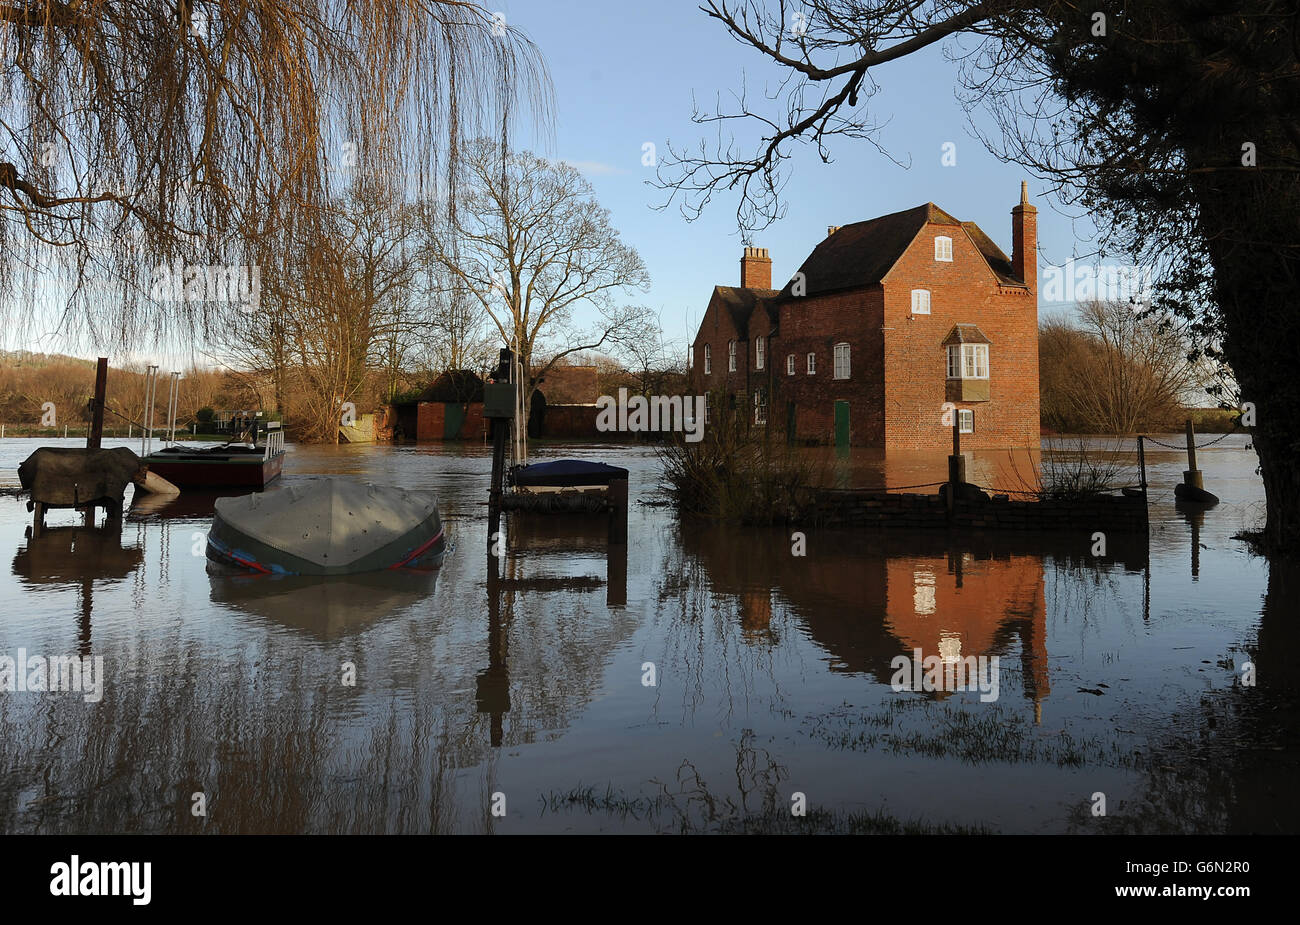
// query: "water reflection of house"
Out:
[866,598]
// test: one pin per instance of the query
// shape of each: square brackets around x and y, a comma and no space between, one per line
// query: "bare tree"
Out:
[137,132]
[530,243]
[1120,372]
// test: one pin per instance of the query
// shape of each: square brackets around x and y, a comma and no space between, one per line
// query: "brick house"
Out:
[885,323]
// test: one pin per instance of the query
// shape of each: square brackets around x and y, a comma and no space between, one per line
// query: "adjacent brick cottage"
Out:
[887,325]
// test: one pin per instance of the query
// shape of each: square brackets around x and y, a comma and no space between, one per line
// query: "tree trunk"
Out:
[1251,223]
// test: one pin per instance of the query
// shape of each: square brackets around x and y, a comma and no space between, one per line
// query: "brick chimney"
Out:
[1024,240]
[756,269]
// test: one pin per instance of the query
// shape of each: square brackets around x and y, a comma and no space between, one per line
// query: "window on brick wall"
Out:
[920,301]
[943,249]
[708,360]
[965,421]
[708,402]
[968,361]
[760,352]
[812,364]
[760,406]
[789,365]
[841,361]
[731,356]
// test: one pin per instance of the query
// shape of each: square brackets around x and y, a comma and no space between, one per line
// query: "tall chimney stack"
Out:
[1024,240]
[756,269]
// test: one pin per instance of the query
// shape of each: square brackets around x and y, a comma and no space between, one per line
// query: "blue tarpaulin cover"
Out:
[564,472]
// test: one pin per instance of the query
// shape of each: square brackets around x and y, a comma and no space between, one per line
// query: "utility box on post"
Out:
[499,400]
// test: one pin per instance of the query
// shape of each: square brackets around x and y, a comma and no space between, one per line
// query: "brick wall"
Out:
[815,324]
[965,291]
[432,417]
[573,421]
[1116,513]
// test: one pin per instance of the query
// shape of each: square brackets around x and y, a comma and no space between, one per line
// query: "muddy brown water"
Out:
[525,689]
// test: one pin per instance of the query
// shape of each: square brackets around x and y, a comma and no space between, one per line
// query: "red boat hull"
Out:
[185,471]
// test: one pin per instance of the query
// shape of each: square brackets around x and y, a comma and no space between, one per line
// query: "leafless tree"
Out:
[139,131]
[1120,371]
[530,243]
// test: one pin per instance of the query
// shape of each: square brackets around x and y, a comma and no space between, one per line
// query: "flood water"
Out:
[527,686]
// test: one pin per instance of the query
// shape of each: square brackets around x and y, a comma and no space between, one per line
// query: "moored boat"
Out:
[327,526]
[565,474]
[229,465]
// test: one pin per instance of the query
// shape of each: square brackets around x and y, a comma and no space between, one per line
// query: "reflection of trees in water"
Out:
[1228,762]
[703,647]
[269,734]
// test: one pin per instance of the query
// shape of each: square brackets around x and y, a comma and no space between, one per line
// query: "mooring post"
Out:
[617,494]
[956,463]
[1192,477]
[97,405]
[501,415]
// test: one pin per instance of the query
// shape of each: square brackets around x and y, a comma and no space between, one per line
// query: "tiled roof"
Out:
[740,303]
[859,255]
[965,334]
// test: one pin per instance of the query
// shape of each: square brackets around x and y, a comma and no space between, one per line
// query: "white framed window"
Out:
[968,361]
[841,361]
[943,249]
[708,359]
[760,352]
[965,421]
[731,356]
[760,407]
[708,403]
[920,301]
[789,365]
[812,364]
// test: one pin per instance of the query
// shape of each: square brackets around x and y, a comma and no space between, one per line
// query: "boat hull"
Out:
[199,470]
[328,527]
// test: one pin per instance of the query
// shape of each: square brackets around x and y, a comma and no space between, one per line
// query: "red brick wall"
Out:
[716,329]
[815,324]
[431,422]
[964,291]
[573,421]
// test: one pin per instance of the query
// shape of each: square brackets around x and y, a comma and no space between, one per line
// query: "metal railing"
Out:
[274,440]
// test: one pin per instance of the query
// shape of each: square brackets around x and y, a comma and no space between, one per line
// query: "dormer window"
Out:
[943,249]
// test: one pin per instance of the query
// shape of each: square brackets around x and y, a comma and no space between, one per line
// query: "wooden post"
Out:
[617,494]
[97,405]
[956,463]
[499,427]
[1191,446]
[1142,464]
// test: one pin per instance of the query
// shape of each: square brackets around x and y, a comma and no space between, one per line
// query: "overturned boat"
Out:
[327,526]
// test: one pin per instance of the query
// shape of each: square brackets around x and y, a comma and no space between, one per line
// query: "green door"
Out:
[453,420]
[841,424]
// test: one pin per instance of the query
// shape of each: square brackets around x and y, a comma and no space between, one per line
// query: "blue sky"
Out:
[624,75]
